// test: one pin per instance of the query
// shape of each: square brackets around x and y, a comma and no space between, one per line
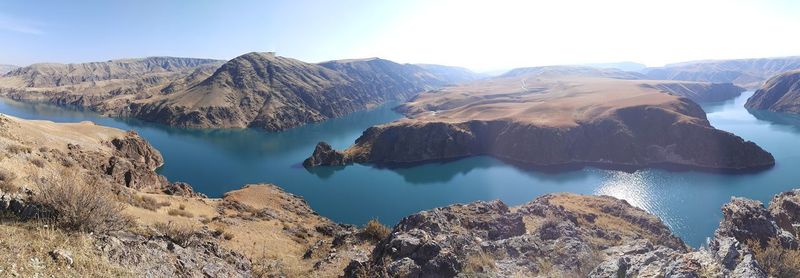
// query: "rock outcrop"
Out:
[550,121]
[748,73]
[162,257]
[780,93]
[561,235]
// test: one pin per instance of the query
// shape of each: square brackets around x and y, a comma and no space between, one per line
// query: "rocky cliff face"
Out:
[604,122]
[748,73]
[780,93]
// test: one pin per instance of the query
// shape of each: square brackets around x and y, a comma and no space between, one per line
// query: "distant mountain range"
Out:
[748,73]
[258,90]
[6,68]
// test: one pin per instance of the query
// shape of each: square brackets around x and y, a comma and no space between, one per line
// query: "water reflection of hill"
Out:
[783,119]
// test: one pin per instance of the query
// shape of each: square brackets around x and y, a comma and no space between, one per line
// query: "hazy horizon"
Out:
[477,35]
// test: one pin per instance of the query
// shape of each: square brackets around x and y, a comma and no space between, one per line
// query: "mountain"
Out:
[626,66]
[554,71]
[270,92]
[555,117]
[55,75]
[452,74]
[748,73]
[6,68]
[258,90]
[780,93]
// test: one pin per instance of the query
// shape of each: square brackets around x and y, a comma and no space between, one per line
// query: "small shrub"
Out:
[17,149]
[227,236]
[147,202]
[479,263]
[44,149]
[182,207]
[776,260]
[7,181]
[177,212]
[182,235]
[81,206]
[68,162]
[376,231]
[38,162]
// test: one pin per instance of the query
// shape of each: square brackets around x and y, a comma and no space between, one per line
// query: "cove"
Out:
[220,160]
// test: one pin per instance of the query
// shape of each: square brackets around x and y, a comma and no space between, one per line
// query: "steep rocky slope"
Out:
[780,93]
[545,119]
[748,73]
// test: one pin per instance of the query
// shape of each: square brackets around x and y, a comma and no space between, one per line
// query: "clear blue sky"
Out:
[482,35]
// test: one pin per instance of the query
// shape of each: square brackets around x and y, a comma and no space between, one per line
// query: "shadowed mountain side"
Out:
[780,93]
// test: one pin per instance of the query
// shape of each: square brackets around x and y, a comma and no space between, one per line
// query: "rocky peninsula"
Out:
[554,118]
[780,93]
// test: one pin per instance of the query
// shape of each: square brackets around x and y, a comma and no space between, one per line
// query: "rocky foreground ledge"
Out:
[569,235]
[553,121]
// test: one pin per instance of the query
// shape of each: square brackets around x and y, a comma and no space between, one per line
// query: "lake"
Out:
[216,161]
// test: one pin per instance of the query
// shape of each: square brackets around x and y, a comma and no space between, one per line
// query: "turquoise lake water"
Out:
[216,161]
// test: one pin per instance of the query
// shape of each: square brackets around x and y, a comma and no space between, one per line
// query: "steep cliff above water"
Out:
[780,93]
[549,121]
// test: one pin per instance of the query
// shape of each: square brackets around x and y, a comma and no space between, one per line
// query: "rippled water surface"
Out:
[215,161]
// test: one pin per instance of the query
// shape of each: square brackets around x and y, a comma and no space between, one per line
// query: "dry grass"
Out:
[777,261]
[479,262]
[18,149]
[181,234]
[7,179]
[81,206]
[180,212]
[38,162]
[27,254]
[376,231]
[147,202]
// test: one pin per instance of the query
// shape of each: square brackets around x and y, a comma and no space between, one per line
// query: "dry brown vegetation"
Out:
[27,254]
[147,202]
[181,234]
[180,212]
[776,260]
[7,181]
[77,205]
[376,231]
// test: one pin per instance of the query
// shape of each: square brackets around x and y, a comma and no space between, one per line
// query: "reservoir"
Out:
[220,160]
